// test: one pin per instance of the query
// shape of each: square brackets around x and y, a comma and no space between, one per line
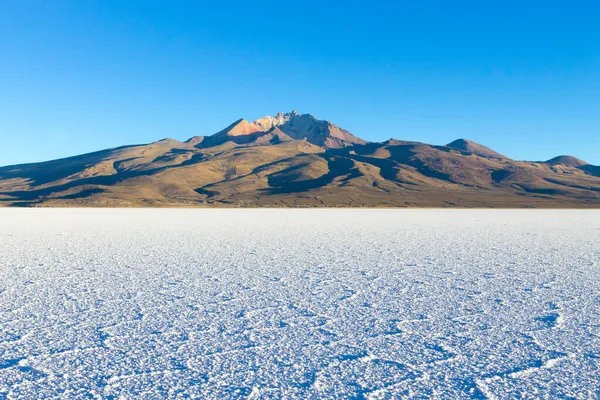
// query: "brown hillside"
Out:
[294,160]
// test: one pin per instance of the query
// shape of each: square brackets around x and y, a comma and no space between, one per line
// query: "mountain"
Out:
[475,148]
[284,127]
[567,160]
[297,160]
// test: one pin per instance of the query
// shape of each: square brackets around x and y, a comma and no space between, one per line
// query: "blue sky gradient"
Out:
[522,77]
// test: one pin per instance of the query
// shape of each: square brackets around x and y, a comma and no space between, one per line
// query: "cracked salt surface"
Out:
[147,304]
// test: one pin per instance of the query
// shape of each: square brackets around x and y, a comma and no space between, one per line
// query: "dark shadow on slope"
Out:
[338,167]
[212,141]
[171,155]
[265,167]
[276,139]
[164,158]
[82,194]
[195,159]
[573,185]
[404,154]
[206,192]
[286,175]
[388,169]
[547,191]
[500,175]
[181,151]
[589,169]
[367,148]
[447,149]
[429,172]
[117,165]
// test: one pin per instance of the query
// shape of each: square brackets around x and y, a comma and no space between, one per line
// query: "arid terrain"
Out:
[297,160]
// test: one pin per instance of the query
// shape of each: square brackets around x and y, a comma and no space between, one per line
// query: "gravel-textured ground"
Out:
[147,304]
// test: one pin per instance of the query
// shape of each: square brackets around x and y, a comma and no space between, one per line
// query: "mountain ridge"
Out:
[298,160]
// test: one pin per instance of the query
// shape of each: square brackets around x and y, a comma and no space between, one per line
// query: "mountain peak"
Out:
[316,131]
[567,160]
[291,113]
[475,148]
[292,124]
[282,118]
[241,127]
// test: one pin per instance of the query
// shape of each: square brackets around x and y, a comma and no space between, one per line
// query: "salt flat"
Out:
[147,304]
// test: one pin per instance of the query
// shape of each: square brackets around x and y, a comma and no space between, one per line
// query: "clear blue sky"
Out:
[522,77]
